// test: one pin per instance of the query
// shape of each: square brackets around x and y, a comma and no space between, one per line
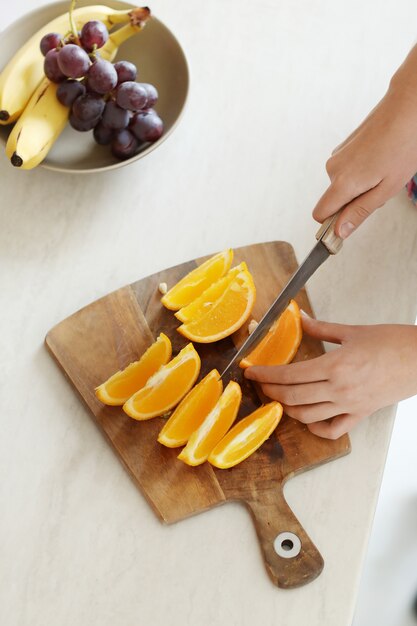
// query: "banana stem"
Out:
[108,51]
[121,17]
[139,16]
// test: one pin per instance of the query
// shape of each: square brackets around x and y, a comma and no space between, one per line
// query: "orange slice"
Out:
[166,387]
[246,436]
[214,427]
[282,341]
[192,410]
[202,305]
[226,315]
[196,281]
[124,383]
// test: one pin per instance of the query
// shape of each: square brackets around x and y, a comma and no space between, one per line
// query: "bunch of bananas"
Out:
[28,98]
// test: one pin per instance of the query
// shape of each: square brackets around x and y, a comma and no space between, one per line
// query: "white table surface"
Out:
[274,87]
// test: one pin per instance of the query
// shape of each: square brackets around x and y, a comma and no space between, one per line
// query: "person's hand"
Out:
[378,158]
[375,366]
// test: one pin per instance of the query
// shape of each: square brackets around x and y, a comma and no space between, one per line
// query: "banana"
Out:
[24,71]
[44,117]
[38,127]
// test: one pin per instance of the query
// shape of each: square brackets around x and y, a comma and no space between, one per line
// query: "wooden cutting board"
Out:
[110,333]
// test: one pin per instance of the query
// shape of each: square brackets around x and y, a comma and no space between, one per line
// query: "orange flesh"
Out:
[202,305]
[245,437]
[167,393]
[226,315]
[123,384]
[281,343]
[167,387]
[192,411]
[214,426]
[196,281]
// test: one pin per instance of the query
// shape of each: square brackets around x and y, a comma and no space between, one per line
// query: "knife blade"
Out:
[327,244]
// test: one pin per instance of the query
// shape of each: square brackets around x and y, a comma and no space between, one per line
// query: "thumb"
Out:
[325,331]
[356,212]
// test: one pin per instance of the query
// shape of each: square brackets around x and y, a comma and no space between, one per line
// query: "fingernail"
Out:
[304,313]
[346,229]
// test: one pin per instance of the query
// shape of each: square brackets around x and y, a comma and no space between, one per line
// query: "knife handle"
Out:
[327,236]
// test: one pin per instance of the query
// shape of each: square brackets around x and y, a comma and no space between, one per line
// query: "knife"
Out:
[327,244]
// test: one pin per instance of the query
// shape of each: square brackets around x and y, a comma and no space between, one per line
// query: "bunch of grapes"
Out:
[103,97]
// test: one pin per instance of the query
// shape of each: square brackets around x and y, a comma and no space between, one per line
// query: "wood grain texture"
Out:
[115,330]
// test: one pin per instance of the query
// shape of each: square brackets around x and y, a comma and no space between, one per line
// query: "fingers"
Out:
[335,196]
[325,331]
[307,414]
[310,404]
[356,207]
[334,428]
[293,395]
[309,371]
[357,211]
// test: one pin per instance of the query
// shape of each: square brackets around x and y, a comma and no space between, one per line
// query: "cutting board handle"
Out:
[290,556]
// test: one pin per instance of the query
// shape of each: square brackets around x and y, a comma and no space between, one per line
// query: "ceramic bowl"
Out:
[160,60]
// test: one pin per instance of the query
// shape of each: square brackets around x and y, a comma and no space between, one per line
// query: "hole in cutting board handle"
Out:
[287,545]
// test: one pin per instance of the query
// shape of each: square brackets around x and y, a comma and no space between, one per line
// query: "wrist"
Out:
[404,81]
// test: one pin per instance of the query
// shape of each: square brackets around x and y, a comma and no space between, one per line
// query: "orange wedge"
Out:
[196,281]
[166,387]
[226,315]
[124,383]
[246,436]
[192,410]
[202,305]
[214,427]
[282,341]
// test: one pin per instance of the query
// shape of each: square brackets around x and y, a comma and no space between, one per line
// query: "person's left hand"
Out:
[375,366]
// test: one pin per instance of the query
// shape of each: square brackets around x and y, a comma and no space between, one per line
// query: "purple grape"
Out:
[124,145]
[152,95]
[49,42]
[89,89]
[73,61]
[147,125]
[88,107]
[131,96]
[82,125]
[51,67]
[102,77]
[69,91]
[115,118]
[125,71]
[94,34]
[103,135]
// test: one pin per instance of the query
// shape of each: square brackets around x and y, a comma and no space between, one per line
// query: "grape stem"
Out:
[72,21]
[92,54]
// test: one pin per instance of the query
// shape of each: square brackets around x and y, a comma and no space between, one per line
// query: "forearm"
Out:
[404,80]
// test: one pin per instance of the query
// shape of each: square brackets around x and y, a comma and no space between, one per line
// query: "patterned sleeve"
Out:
[412,189]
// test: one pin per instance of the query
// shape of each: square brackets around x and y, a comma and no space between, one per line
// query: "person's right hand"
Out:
[378,158]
